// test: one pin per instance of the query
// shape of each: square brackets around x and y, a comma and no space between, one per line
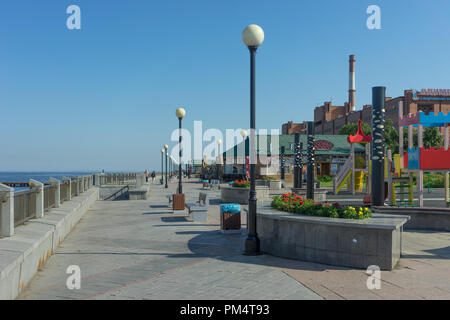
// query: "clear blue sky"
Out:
[104,97]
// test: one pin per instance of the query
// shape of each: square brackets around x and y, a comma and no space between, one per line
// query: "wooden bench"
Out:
[199,211]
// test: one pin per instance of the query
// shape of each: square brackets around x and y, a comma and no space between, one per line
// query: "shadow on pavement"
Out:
[230,248]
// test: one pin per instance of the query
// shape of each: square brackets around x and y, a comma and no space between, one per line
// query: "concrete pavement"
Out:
[140,250]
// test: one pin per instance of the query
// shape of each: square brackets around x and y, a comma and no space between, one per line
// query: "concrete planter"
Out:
[275,184]
[320,195]
[271,184]
[240,195]
[437,219]
[332,241]
[261,183]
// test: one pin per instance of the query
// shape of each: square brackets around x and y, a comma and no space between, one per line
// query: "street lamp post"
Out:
[253,37]
[244,134]
[180,113]
[166,147]
[162,165]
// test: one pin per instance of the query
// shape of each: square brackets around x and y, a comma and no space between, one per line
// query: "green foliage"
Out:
[432,138]
[241,184]
[290,202]
[352,128]
[391,137]
[325,178]
[436,180]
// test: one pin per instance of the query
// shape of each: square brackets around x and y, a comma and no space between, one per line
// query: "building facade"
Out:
[330,119]
[331,152]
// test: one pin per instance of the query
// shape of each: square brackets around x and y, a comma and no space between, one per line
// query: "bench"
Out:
[199,211]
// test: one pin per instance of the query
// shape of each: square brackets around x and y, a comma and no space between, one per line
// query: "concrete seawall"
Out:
[29,248]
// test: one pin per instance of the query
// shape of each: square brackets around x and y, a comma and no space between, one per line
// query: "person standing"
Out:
[153,176]
[146,175]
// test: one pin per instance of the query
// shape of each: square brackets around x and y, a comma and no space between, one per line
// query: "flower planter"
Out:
[261,183]
[332,241]
[320,195]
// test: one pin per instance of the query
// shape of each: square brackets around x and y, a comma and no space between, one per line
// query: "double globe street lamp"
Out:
[253,37]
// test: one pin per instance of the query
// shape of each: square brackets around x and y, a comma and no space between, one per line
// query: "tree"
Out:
[352,128]
[432,138]
[391,137]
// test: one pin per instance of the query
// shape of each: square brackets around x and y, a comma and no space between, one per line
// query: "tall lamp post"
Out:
[180,113]
[166,147]
[162,165]
[253,37]
[244,134]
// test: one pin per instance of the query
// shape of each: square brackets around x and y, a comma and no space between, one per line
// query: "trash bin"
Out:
[230,218]
[179,202]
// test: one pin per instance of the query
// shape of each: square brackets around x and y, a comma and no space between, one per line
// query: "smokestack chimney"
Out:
[351,85]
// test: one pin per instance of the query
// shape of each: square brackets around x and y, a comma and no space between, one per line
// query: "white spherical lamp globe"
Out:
[162,150]
[219,141]
[180,113]
[166,146]
[243,133]
[253,36]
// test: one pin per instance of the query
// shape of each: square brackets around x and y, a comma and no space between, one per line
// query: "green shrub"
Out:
[241,184]
[436,180]
[326,178]
[290,202]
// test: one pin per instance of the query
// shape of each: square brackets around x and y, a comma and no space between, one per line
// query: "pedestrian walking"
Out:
[146,175]
[153,176]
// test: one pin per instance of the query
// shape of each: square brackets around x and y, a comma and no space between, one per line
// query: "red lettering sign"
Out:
[323,145]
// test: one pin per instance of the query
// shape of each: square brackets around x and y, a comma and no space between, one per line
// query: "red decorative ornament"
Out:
[360,137]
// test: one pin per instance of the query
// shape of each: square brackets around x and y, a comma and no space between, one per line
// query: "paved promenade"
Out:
[140,250]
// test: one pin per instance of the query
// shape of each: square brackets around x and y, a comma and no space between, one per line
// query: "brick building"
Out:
[330,119]
[291,127]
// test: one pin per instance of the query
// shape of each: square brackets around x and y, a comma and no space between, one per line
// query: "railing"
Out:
[342,173]
[64,194]
[41,197]
[38,199]
[117,178]
[73,188]
[49,197]
[118,193]
[24,206]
